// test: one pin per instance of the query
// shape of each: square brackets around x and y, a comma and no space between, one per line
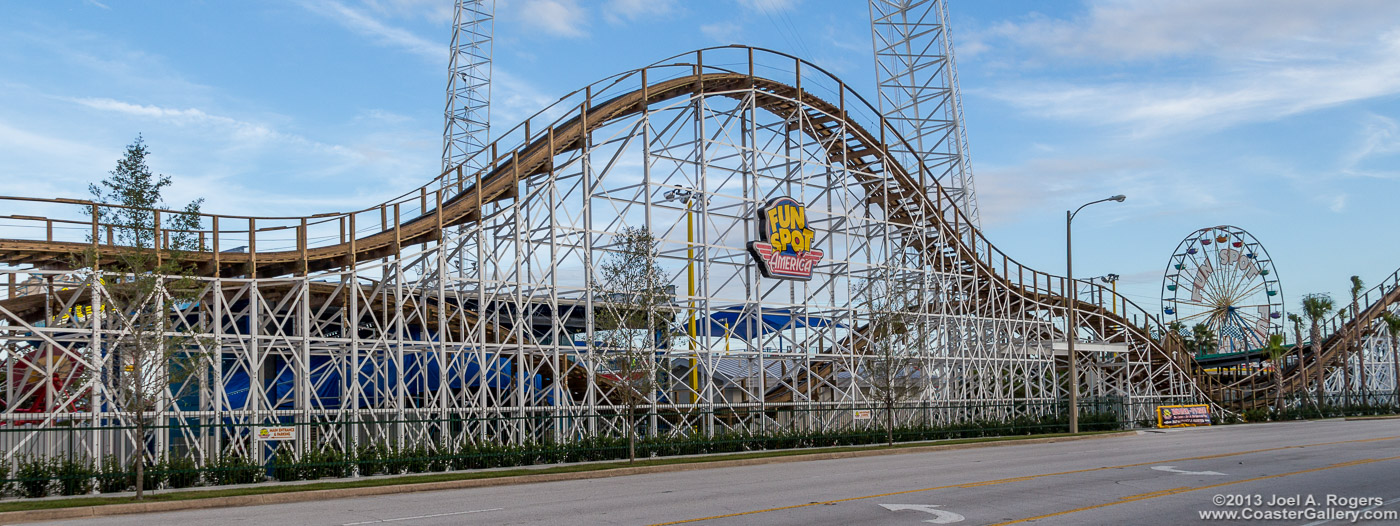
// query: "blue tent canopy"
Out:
[749,322]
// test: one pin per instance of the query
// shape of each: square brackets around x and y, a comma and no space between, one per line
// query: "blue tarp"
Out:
[746,322]
[421,373]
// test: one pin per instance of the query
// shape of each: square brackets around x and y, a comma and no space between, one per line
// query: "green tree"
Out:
[1277,351]
[1301,371]
[1355,341]
[132,195]
[633,314]
[1316,307]
[1177,329]
[151,350]
[1392,327]
[1205,339]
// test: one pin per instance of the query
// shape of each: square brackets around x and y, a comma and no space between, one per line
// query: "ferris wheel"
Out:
[1222,278]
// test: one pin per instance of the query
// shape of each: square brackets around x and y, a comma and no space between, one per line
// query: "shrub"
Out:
[235,470]
[332,463]
[34,477]
[416,459]
[1257,414]
[75,477]
[182,472]
[286,466]
[372,459]
[4,478]
[152,477]
[112,476]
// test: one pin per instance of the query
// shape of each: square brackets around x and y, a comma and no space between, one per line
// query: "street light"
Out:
[1072,328]
[1112,281]
[687,197]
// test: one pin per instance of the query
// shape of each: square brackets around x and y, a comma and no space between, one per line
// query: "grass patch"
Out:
[29,505]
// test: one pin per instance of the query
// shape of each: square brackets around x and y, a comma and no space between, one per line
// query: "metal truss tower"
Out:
[468,112]
[918,83]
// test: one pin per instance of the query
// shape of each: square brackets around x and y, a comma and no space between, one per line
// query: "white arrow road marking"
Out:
[1170,469]
[939,516]
[381,521]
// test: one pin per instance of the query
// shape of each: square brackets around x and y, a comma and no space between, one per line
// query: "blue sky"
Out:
[1278,116]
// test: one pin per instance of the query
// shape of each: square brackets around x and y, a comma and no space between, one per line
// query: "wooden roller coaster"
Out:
[907,195]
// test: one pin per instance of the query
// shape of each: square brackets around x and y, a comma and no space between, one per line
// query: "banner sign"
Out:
[1183,415]
[860,414]
[785,249]
[274,433]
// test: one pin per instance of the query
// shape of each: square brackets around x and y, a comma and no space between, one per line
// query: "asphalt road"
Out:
[1151,478]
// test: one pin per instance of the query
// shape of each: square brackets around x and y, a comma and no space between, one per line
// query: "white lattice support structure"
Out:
[375,335]
[468,110]
[1376,357]
[918,93]
[1366,351]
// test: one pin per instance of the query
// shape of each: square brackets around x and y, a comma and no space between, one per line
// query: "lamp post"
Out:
[1072,328]
[688,198]
[1112,281]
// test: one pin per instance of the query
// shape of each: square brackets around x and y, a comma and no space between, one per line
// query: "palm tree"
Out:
[1276,352]
[1298,345]
[1392,326]
[1356,287]
[1204,337]
[1316,307]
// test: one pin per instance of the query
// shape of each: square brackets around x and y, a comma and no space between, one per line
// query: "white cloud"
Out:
[513,100]
[1005,193]
[433,10]
[1260,30]
[725,32]
[1337,203]
[1217,99]
[40,164]
[368,25]
[1375,155]
[769,5]
[383,117]
[557,17]
[618,11]
[1196,63]
[242,130]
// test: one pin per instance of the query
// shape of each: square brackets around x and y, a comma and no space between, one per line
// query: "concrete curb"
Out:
[1385,417]
[14,517]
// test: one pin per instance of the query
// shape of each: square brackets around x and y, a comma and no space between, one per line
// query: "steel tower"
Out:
[918,85]
[468,112]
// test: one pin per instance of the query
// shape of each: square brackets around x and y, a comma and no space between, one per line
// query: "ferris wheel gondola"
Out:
[1222,278]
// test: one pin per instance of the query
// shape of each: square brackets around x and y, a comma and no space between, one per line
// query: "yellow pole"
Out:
[1113,302]
[726,337]
[690,292]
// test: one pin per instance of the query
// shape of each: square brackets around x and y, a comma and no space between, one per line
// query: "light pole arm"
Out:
[1118,198]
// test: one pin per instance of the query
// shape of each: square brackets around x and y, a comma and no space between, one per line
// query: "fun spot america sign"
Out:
[785,249]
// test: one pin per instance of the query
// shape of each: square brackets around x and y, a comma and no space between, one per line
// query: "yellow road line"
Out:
[1163,493]
[1024,478]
